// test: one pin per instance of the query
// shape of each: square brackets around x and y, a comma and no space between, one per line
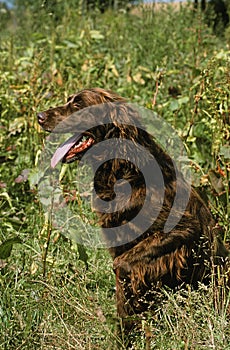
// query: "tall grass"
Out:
[167,60]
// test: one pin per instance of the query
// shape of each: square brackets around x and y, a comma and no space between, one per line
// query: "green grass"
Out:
[49,299]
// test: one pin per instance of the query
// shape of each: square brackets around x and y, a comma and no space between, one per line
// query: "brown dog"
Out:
[187,254]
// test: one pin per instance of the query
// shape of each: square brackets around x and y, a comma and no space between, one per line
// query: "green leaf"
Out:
[174,105]
[183,100]
[6,247]
[83,256]
[16,125]
[225,151]
[34,177]
[191,138]
[70,44]
[95,34]
[7,197]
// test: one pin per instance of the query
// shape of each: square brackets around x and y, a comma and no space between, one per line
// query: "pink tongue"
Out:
[63,149]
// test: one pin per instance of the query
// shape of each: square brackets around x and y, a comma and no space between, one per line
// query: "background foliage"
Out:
[54,294]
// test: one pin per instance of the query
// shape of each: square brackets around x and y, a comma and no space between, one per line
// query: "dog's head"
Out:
[88,97]
[92,115]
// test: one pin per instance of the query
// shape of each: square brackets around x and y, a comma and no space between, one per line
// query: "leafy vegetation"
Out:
[55,294]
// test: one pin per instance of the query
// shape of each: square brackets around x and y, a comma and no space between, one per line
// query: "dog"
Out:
[150,260]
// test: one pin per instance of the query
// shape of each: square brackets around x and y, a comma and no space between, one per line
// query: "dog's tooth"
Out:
[78,144]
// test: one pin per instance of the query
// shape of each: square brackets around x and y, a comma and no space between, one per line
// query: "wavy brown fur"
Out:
[186,254]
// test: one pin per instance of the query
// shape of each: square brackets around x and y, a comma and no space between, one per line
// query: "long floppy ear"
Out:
[127,119]
[130,120]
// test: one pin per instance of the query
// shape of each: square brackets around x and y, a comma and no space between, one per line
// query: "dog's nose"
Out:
[41,117]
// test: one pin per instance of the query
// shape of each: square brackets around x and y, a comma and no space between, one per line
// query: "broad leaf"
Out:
[6,247]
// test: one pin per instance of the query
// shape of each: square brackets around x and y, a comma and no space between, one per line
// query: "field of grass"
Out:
[55,294]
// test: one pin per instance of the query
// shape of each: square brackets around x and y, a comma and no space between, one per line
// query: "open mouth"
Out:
[72,149]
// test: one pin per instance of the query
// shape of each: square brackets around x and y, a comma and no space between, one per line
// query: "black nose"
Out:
[41,117]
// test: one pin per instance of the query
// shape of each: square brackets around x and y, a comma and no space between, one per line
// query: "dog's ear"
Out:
[127,118]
